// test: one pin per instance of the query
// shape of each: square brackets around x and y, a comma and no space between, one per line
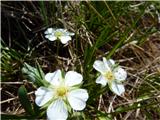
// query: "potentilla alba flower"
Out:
[112,74]
[58,34]
[62,94]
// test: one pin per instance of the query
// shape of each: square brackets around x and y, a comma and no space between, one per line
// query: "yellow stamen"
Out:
[109,75]
[61,91]
[58,34]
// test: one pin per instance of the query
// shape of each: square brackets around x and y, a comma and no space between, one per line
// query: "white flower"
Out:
[61,94]
[62,34]
[111,74]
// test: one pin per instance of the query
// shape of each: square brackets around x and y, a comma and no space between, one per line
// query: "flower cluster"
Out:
[64,92]
[58,34]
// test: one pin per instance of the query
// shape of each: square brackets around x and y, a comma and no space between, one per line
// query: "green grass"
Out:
[102,29]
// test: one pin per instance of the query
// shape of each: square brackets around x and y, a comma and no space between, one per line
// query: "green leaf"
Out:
[133,107]
[34,75]
[22,93]
[77,116]
[29,71]
[36,109]
[103,116]
[40,72]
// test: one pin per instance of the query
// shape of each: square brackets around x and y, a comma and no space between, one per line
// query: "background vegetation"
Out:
[127,32]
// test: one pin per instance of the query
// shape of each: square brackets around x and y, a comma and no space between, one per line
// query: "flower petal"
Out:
[99,66]
[61,30]
[54,78]
[51,37]
[77,99]
[106,64]
[65,39]
[57,111]
[101,80]
[71,34]
[117,88]
[120,74]
[49,31]
[73,78]
[111,62]
[43,95]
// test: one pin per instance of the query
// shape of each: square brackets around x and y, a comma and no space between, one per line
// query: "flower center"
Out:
[58,34]
[61,91]
[109,75]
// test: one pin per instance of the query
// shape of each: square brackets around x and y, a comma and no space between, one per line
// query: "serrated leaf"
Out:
[26,104]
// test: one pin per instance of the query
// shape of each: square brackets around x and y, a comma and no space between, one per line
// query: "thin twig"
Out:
[100,101]
[8,100]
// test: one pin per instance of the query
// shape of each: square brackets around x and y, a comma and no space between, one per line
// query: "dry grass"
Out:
[142,60]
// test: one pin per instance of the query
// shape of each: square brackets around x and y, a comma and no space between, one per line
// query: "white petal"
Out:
[99,66]
[77,99]
[43,95]
[117,88]
[101,80]
[120,74]
[61,30]
[106,64]
[57,111]
[65,39]
[51,37]
[71,34]
[49,30]
[48,36]
[54,78]
[73,78]
[111,62]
